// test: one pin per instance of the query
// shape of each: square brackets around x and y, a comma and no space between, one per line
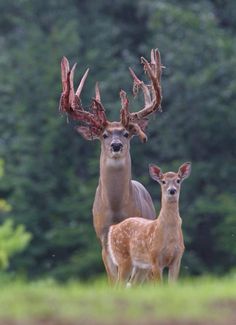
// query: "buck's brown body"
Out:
[138,243]
[117,196]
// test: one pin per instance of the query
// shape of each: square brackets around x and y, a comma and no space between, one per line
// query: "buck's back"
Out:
[143,201]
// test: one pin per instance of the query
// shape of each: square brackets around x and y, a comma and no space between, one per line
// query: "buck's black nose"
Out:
[116,146]
[172,191]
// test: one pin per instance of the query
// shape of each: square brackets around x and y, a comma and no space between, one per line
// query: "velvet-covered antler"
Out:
[152,95]
[70,101]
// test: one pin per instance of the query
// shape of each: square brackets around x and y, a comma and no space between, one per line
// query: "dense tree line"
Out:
[51,172]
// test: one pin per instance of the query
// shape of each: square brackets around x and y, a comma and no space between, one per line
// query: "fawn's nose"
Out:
[116,146]
[172,191]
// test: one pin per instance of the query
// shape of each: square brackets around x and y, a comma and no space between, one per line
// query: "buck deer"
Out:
[138,243]
[117,196]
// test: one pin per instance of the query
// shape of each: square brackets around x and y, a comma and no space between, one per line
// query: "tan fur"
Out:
[117,197]
[138,243]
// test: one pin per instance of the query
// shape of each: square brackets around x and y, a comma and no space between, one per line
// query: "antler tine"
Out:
[97,107]
[99,112]
[159,66]
[71,83]
[65,71]
[86,117]
[125,117]
[154,59]
[70,101]
[140,84]
[124,112]
[65,68]
[97,93]
[81,84]
[152,93]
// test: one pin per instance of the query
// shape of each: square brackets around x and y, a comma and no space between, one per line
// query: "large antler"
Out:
[152,94]
[70,101]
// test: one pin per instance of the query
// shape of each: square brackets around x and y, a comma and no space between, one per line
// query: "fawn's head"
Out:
[114,136]
[170,182]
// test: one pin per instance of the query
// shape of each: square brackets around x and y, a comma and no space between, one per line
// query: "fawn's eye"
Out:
[178,181]
[126,134]
[105,135]
[163,182]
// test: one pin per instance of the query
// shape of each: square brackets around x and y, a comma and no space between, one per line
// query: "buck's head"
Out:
[115,140]
[170,182]
[114,136]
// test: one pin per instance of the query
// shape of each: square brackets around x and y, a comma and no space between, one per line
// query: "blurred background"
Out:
[49,174]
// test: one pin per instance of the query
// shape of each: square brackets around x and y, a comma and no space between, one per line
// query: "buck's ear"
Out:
[184,170]
[89,133]
[155,173]
[135,129]
[143,123]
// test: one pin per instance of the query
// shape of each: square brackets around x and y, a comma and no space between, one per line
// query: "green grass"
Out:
[197,299]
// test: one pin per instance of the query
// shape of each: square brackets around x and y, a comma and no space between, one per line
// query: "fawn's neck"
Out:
[169,214]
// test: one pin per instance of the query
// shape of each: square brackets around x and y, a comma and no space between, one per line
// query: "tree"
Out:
[51,172]
[197,125]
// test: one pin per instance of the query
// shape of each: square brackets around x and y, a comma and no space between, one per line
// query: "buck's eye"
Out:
[163,182]
[126,134]
[105,135]
[178,181]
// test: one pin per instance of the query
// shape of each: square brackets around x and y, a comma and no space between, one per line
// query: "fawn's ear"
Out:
[155,172]
[184,170]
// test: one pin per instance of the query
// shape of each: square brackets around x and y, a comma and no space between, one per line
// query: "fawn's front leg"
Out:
[124,271]
[174,270]
[156,271]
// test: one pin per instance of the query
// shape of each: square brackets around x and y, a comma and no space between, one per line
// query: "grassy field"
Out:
[198,301]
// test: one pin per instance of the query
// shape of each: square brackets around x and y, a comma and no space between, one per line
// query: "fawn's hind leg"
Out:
[138,276]
[111,269]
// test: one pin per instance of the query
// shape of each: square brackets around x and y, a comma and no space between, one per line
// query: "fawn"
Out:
[151,245]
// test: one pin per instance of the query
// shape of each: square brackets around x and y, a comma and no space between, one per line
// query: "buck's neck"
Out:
[115,180]
[169,214]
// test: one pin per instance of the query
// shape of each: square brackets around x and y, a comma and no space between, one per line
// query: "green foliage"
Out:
[12,240]
[198,124]
[4,206]
[51,173]
[1,168]
[185,302]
